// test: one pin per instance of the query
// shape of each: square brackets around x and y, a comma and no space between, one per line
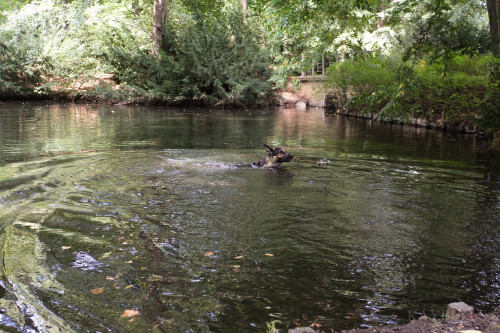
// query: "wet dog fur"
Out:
[274,157]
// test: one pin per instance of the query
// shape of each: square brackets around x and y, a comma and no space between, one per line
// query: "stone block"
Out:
[459,310]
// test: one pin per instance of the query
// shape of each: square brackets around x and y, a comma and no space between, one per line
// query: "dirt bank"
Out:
[460,318]
[477,322]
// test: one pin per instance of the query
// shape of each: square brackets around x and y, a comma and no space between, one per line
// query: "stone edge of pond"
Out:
[459,317]
[289,100]
[422,122]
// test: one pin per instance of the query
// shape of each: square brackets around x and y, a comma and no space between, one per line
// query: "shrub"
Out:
[453,89]
[212,57]
[221,60]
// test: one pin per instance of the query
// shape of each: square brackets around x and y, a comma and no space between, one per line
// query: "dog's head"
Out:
[276,156]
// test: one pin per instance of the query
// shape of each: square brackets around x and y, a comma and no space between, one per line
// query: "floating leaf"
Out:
[130,313]
[97,291]
[105,255]
[154,278]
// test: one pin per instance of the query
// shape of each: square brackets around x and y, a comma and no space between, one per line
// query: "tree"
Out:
[244,4]
[493,7]
[159,25]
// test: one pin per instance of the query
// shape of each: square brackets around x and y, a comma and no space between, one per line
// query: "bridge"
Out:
[313,88]
[313,75]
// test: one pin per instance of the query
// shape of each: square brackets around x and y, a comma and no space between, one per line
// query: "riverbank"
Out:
[460,318]
[477,323]
[106,89]
[456,92]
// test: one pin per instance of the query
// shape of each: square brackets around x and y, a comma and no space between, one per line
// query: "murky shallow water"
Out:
[107,209]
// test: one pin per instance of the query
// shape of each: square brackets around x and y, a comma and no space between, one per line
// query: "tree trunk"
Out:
[494,16]
[159,22]
[380,21]
[244,4]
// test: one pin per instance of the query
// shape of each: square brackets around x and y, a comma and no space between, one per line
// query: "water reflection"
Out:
[28,130]
[160,211]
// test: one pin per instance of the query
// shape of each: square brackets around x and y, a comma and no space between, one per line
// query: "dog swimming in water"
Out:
[274,158]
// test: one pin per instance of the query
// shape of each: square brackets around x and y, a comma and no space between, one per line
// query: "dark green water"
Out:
[107,209]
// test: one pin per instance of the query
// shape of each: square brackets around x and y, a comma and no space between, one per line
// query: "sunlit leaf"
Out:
[65,247]
[208,253]
[269,255]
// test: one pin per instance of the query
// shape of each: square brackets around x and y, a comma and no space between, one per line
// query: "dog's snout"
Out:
[288,157]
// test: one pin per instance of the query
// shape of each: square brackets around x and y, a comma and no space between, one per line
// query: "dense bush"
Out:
[210,57]
[221,60]
[453,89]
[22,61]
[45,45]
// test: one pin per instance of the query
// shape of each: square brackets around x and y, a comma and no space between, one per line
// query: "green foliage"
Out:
[416,28]
[142,77]
[208,59]
[362,77]
[221,61]
[438,28]
[21,66]
[271,327]
[490,119]
[44,41]
[455,89]
[211,55]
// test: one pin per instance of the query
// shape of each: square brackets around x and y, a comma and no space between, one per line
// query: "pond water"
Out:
[158,214]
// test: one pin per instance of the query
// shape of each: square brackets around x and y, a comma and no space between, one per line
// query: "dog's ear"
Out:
[269,150]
